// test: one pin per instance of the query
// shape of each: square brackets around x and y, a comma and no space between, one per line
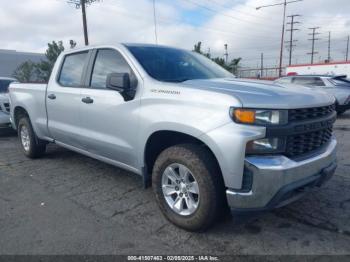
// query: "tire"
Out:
[32,146]
[202,166]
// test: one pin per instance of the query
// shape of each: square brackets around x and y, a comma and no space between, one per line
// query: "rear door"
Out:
[109,122]
[64,99]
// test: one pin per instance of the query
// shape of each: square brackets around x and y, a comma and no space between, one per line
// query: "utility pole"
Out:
[261,64]
[347,50]
[82,4]
[313,39]
[284,3]
[329,47]
[226,54]
[83,11]
[291,30]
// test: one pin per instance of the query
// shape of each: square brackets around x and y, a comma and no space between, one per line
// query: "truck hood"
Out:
[264,94]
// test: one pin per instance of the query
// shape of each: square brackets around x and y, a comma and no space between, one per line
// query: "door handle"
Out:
[52,96]
[87,100]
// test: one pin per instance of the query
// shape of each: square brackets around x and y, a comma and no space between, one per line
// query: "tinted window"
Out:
[4,85]
[176,65]
[308,81]
[109,61]
[72,69]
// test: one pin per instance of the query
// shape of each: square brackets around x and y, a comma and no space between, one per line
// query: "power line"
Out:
[313,39]
[291,30]
[235,10]
[206,28]
[285,3]
[226,15]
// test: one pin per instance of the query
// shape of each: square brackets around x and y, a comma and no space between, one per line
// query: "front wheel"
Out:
[32,146]
[188,186]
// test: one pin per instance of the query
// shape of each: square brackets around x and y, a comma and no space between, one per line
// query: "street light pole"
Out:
[283,23]
[282,38]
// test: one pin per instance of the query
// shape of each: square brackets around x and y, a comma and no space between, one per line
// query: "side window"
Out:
[306,81]
[109,61]
[72,69]
[318,82]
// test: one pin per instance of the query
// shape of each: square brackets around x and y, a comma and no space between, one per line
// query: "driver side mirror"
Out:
[119,82]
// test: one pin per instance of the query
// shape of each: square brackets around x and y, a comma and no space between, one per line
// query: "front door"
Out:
[109,123]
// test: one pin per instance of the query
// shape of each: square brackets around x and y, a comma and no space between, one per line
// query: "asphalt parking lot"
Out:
[66,203]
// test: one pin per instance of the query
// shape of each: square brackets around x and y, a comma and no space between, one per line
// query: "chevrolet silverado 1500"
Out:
[201,138]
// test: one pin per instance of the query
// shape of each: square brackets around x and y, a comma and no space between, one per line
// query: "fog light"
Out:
[266,146]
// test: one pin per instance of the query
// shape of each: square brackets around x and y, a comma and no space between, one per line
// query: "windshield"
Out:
[4,85]
[176,65]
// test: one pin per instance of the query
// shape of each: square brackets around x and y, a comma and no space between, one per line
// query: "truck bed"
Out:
[32,98]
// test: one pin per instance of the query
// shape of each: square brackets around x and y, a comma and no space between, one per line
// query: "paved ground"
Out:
[66,203]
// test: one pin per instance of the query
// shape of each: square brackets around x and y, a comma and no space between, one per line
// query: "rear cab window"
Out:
[72,69]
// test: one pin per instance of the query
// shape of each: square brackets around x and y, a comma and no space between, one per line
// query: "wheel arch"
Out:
[162,139]
[18,112]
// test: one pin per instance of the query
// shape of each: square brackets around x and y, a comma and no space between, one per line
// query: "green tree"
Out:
[44,67]
[197,48]
[25,72]
[231,67]
[29,71]
[220,61]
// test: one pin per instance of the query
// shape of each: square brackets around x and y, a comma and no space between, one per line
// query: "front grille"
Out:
[307,142]
[300,114]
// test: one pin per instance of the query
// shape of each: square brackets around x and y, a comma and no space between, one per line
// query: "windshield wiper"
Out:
[179,80]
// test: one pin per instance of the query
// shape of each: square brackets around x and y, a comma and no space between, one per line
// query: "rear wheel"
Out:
[188,186]
[32,146]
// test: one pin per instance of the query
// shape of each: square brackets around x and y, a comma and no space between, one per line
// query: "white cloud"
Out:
[28,25]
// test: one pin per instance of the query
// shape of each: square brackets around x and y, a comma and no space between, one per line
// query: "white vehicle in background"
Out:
[337,86]
[4,101]
[332,68]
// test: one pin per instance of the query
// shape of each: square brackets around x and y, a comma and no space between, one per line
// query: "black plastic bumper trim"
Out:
[280,199]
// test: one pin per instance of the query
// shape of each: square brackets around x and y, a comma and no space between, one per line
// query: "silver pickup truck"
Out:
[203,139]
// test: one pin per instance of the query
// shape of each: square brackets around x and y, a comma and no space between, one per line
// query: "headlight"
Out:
[259,116]
[266,146]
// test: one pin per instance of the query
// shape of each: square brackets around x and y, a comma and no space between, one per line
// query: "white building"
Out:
[332,68]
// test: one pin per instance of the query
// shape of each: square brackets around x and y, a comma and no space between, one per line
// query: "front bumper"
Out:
[278,180]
